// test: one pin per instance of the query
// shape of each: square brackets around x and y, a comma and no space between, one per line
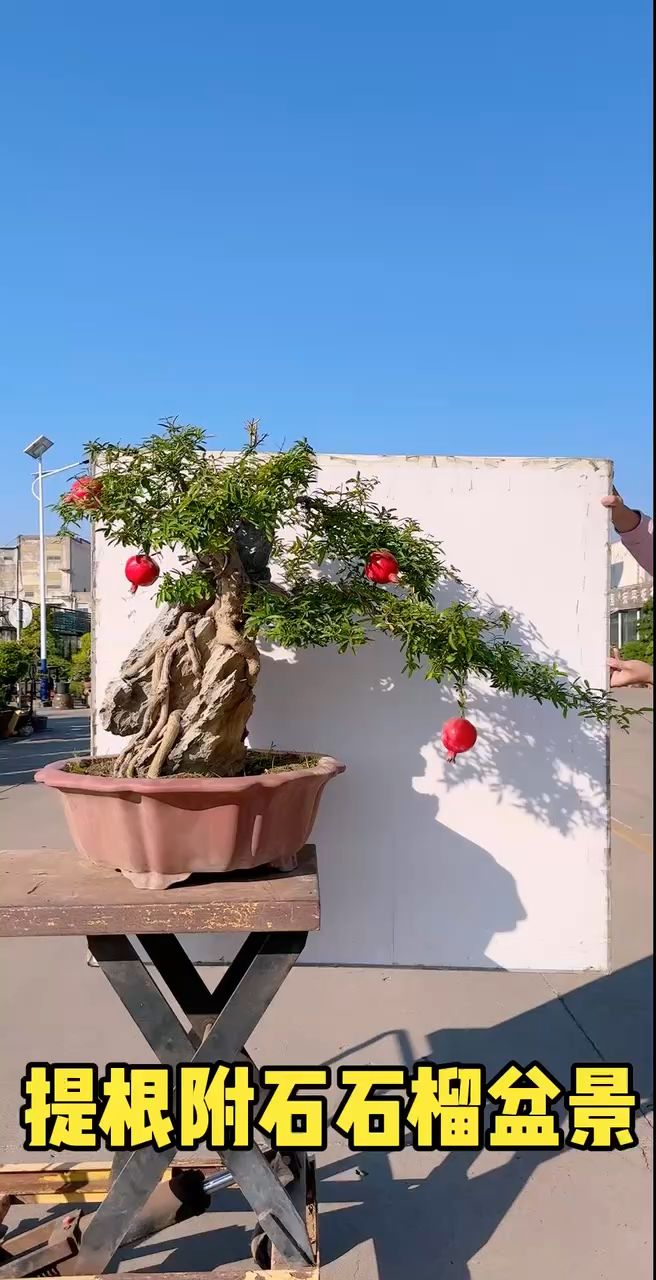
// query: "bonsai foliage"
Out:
[185,694]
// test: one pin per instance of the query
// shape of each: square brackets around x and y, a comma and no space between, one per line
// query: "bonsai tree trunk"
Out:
[185,692]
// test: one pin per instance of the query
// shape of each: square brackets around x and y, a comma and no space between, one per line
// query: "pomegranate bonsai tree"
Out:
[345,570]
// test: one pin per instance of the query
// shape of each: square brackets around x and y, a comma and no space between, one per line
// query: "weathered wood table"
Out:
[47,893]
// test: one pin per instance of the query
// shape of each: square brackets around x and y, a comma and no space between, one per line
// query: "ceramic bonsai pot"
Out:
[160,831]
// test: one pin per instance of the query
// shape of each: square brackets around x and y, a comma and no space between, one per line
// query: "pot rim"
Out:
[55,774]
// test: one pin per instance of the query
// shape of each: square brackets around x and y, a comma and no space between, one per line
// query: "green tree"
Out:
[14,666]
[30,642]
[186,692]
[81,661]
[643,647]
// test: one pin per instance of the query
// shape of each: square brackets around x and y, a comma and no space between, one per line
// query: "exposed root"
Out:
[125,765]
[193,710]
[136,753]
[157,669]
[159,727]
[143,749]
[194,655]
[166,745]
[227,634]
[160,646]
[142,663]
[165,676]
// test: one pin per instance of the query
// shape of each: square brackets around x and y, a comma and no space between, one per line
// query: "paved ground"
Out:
[480,1217]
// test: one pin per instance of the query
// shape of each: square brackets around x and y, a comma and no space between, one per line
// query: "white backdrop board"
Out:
[502,859]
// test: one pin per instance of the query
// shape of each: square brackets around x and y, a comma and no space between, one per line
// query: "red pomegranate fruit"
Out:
[382,567]
[84,492]
[141,571]
[458,735]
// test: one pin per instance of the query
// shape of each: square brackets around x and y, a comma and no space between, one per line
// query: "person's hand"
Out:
[624,519]
[631,672]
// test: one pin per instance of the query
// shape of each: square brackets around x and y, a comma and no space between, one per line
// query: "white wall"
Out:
[500,860]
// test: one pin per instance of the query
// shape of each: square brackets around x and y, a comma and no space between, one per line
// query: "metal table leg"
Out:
[227,1016]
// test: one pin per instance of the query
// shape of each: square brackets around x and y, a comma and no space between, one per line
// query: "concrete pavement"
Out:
[384,1217]
[28,817]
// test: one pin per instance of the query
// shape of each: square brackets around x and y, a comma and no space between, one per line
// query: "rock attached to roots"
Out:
[186,694]
[124,702]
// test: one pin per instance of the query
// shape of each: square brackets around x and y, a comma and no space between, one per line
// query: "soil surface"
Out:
[257,762]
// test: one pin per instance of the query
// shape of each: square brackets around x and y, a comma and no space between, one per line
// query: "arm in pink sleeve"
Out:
[640,542]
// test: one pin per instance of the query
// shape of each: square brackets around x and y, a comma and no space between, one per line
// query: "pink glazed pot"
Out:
[160,831]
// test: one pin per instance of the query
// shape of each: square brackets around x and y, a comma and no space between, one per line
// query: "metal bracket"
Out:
[39,1251]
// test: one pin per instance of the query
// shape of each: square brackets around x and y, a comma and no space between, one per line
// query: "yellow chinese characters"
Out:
[215,1106]
[602,1107]
[371,1123]
[442,1105]
[136,1110]
[61,1107]
[446,1111]
[291,1120]
[524,1119]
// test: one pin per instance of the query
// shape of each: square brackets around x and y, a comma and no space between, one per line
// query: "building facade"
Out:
[630,588]
[68,570]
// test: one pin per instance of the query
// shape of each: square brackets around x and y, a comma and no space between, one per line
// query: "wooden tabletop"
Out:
[48,892]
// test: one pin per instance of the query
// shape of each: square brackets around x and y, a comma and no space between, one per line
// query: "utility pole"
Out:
[19,607]
[36,450]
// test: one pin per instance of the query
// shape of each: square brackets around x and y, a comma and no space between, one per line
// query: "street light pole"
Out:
[36,450]
[43,665]
[19,607]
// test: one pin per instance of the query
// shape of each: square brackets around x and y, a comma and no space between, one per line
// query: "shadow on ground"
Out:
[65,736]
[438,1223]
[449,1216]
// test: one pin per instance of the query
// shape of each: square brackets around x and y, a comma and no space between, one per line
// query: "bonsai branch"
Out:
[185,694]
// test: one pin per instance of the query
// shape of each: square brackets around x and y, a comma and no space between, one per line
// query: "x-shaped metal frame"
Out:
[222,1021]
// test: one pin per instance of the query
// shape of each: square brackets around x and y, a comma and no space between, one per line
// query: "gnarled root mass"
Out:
[186,692]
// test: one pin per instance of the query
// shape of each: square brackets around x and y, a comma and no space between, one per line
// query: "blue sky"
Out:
[405,228]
